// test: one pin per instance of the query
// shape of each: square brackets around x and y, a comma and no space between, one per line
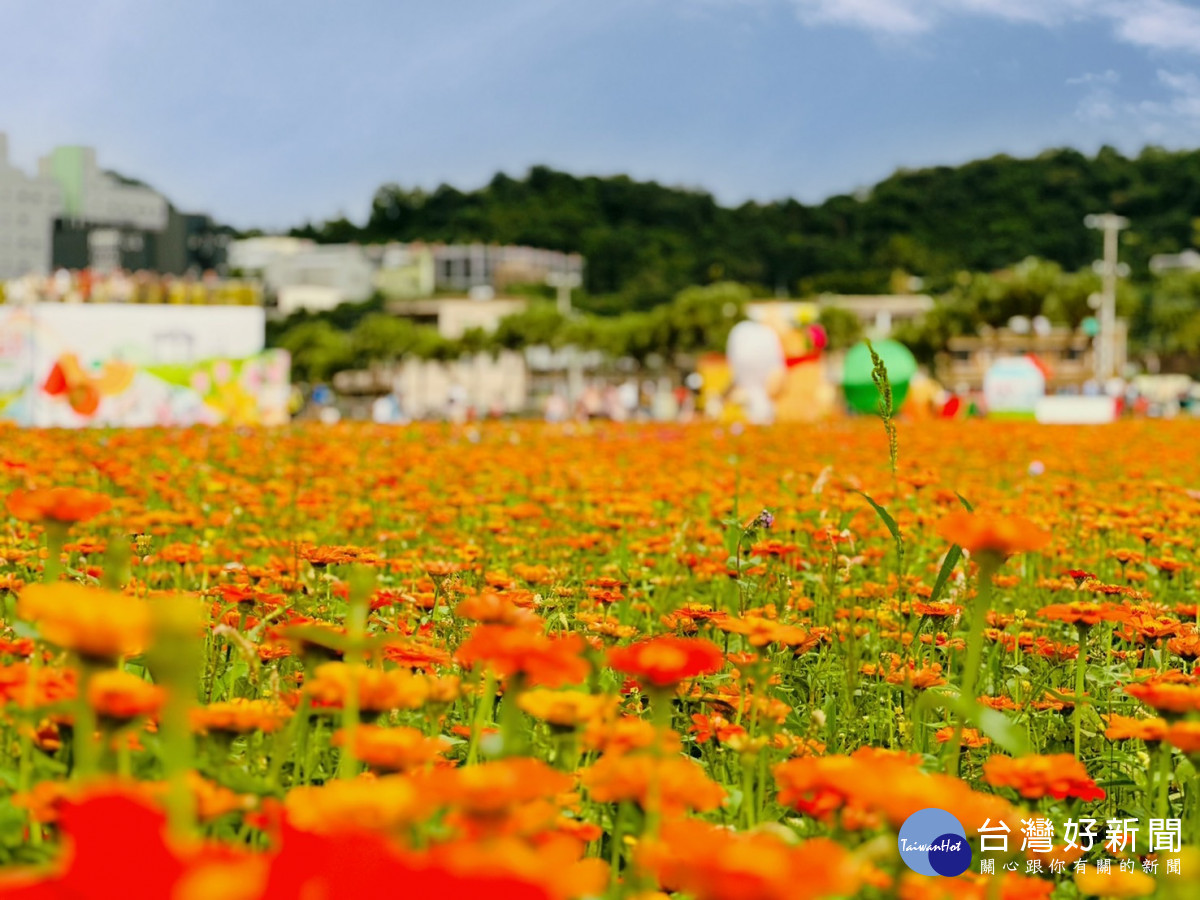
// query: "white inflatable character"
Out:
[756,362]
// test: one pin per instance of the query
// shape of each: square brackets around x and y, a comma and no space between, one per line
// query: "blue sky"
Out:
[269,113]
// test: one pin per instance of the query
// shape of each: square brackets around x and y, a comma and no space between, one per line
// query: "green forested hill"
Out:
[644,241]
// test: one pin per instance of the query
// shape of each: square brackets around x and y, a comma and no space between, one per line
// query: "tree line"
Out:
[1163,317]
[645,242]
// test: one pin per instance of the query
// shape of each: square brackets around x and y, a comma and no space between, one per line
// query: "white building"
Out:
[251,256]
[320,277]
[453,316]
[28,207]
[92,195]
[460,267]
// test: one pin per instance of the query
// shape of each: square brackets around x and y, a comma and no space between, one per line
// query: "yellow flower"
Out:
[566,709]
[374,804]
[98,624]
[1117,883]
[378,691]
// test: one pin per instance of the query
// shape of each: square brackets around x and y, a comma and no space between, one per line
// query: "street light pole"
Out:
[1109,269]
[565,282]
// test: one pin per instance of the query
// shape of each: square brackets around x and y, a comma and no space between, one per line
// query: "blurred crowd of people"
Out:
[120,286]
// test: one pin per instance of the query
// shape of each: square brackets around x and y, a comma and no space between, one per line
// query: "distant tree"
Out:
[318,350]
[842,327]
[382,338]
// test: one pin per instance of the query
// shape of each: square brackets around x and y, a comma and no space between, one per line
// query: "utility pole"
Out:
[1109,269]
[565,282]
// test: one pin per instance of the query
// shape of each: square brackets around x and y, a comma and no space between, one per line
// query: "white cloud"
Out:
[1161,24]
[1157,24]
[1184,99]
[1098,106]
[1176,112]
[890,16]
[1108,76]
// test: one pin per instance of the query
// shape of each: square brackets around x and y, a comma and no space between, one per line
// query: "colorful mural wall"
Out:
[69,365]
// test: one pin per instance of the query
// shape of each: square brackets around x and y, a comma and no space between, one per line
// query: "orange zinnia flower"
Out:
[713,863]
[626,735]
[1186,646]
[394,749]
[971,738]
[30,687]
[1167,697]
[1122,728]
[997,535]
[359,804]
[378,691]
[492,788]
[119,695]
[94,623]
[676,784]
[60,504]
[546,661]
[666,661]
[1060,775]
[1185,736]
[1083,612]
[240,716]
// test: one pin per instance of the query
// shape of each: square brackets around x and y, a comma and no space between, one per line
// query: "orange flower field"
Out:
[525,661]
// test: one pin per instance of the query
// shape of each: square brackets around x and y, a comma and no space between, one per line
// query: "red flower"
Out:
[668,660]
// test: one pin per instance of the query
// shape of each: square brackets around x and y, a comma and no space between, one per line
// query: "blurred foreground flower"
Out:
[997,535]
[96,624]
[59,504]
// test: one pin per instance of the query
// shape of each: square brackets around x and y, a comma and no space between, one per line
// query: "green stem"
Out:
[1164,780]
[356,629]
[286,740]
[85,748]
[614,851]
[513,737]
[175,730]
[988,563]
[1080,675]
[487,699]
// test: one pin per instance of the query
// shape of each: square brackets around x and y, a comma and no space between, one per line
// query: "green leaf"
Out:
[953,555]
[1003,731]
[940,697]
[963,501]
[885,516]
[25,630]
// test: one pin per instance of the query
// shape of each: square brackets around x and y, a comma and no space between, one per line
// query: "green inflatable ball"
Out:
[861,393]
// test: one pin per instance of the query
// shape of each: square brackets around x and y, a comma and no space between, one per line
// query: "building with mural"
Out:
[128,364]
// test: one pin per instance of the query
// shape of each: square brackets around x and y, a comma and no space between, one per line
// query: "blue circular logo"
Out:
[933,842]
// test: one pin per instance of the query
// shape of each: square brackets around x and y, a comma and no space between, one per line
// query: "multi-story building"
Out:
[75,215]
[320,277]
[251,256]
[460,267]
[28,206]
[91,194]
